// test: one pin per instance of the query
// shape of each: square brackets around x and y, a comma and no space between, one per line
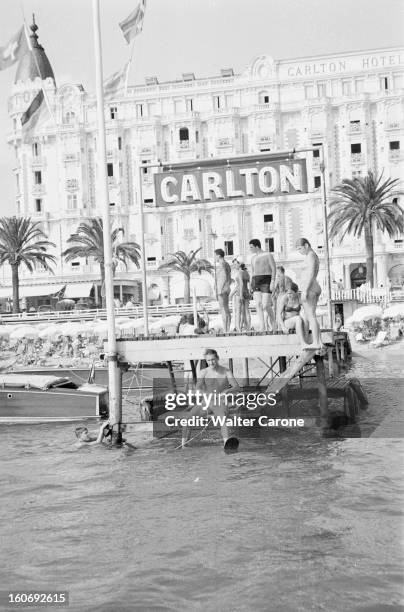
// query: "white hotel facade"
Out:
[352,103]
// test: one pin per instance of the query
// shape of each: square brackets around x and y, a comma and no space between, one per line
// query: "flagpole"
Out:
[128,67]
[38,68]
[115,403]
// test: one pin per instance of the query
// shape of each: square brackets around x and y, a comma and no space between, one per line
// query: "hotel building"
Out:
[351,103]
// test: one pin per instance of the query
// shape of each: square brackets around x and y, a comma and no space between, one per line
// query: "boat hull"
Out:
[52,405]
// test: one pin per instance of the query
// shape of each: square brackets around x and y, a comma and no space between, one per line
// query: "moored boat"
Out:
[33,398]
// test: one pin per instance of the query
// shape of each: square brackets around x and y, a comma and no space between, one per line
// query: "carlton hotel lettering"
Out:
[345,65]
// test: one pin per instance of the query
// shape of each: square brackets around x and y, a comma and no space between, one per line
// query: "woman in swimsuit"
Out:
[289,311]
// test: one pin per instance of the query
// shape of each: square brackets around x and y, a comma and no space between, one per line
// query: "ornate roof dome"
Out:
[34,63]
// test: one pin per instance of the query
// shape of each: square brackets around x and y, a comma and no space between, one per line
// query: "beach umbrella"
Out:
[366,313]
[397,310]
[25,331]
[51,331]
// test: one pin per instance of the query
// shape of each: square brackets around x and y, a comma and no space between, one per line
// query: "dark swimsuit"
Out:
[261,282]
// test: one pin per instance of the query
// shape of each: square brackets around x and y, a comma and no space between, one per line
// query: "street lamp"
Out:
[213,235]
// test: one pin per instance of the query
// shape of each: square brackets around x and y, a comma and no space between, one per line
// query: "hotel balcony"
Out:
[393,125]
[357,158]
[355,127]
[38,162]
[189,234]
[72,184]
[269,228]
[395,155]
[38,190]
[223,143]
[71,158]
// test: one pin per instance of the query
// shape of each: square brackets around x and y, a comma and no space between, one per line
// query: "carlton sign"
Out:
[255,179]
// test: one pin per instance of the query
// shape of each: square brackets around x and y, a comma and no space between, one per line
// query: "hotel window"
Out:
[36,149]
[317,182]
[190,105]
[139,110]
[112,204]
[113,112]
[75,264]
[119,143]
[110,169]
[38,177]
[216,102]
[184,134]
[356,147]
[38,205]
[228,247]
[196,136]
[270,245]
[69,117]
[384,83]
[394,145]
[268,218]
[322,90]
[146,169]
[72,201]
[346,88]
[200,224]
[316,152]
[309,91]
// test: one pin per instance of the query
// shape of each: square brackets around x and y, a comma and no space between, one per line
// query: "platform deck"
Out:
[230,346]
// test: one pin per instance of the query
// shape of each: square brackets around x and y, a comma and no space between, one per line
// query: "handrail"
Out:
[101,313]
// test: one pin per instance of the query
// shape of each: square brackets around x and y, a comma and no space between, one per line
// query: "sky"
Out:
[200,36]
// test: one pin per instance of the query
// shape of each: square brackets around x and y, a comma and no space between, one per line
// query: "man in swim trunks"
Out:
[262,284]
[215,381]
[223,279]
[310,290]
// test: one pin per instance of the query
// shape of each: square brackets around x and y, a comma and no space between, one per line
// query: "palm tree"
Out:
[362,204]
[22,241]
[88,241]
[186,264]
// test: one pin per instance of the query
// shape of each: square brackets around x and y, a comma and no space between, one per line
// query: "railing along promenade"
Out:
[364,296]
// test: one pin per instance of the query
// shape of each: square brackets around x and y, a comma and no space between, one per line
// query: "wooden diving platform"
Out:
[228,346]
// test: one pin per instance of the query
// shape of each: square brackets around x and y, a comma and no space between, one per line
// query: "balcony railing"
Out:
[395,154]
[269,227]
[38,190]
[357,158]
[38,162]
[355,127]
[224,142]
[72,184]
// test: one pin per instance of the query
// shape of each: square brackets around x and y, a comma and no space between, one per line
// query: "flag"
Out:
[133,24]
[115,81]
[30,118]
[16,47]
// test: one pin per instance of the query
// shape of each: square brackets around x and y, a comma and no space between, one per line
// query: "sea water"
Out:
[293,522]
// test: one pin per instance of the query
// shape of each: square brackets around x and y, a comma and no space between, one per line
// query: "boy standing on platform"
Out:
[223,280]
[262,284]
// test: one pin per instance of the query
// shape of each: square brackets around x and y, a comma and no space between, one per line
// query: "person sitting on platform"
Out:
[289,311]
[216,381]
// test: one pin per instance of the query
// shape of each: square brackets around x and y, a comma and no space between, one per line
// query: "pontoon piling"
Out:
[322,386]
[246,374]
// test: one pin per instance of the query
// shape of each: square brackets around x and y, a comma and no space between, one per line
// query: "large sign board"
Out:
[254,179]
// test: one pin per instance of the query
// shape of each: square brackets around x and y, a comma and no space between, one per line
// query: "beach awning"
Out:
[37,290]
[78,290]
[30,291]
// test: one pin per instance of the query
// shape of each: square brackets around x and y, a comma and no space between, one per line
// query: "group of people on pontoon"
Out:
[280,303]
